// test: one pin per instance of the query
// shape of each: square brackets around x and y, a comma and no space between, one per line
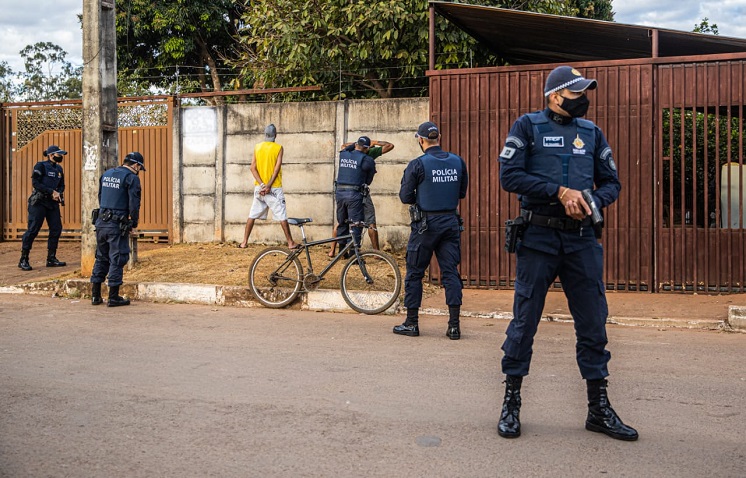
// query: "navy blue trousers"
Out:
[581,274]
[349,208]
[112,253]
[36,216]
[442,238]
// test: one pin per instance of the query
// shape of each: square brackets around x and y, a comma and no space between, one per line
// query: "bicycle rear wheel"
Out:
[274,278]
[378,295]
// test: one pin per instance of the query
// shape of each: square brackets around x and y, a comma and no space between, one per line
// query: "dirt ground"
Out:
[208,263]
[226,264]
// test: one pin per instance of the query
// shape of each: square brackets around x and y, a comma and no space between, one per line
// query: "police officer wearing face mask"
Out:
[549,158]
[119,212]
[433,184]
[48,181]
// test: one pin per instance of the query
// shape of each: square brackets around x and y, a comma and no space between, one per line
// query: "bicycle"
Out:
[370,281]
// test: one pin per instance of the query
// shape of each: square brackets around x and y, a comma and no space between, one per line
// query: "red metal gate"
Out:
[701,244]
[476,109]
[676,128]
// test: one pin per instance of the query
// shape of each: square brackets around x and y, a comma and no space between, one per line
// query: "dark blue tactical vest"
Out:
[440,189]
[562,154]
[350,168]
[114,194]
[51,174]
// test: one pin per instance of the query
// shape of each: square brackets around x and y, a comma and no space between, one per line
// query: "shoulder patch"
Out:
[515,141]
[507,152]
[606,153]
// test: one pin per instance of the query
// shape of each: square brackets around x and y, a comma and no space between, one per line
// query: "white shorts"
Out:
[274,199]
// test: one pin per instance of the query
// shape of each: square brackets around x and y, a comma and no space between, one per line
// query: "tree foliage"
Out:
[175,45]
[706,27]
[7,89]
[356,48]
[48,75]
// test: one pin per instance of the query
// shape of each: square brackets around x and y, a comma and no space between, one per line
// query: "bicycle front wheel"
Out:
[275,278]
[377,292]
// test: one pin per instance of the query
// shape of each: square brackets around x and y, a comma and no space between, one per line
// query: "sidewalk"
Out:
[626,308]
[709,312]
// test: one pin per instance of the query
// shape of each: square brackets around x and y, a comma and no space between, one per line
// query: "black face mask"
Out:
[57,158]
[576,107]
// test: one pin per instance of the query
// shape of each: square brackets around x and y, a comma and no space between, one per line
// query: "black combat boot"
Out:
[454,329]
[601,417]
[23,263]
[96,294]
[115,300]
[510,422]
[410,326]
[52,260]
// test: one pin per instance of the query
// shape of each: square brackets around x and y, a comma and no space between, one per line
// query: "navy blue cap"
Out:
[427,130]
[54,149]
[364,141]
[136,157]
[567,77]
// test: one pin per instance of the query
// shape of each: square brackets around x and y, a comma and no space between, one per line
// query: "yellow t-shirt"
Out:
[265,155]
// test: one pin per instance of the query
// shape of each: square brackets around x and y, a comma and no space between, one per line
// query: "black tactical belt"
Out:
[561,223]
[349,187]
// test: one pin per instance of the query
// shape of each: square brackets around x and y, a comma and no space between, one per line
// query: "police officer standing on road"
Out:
[433,184]
[48,181]
[119,212]
[356,171]
[550,157]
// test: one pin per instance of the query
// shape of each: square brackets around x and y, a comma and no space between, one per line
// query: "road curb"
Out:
[330,300]
[737,317]
[322,300]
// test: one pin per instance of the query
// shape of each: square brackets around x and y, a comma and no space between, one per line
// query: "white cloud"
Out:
[728,15]
[27,22]
[24,23]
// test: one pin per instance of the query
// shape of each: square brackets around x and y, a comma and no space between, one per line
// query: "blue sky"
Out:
[25,22]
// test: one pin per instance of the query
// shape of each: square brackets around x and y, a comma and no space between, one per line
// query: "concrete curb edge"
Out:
[330,300]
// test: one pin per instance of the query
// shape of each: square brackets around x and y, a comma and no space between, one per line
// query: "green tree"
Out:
[48,75]
[175,45]
[355,48]
[706,27]
[596,10]
[7,86]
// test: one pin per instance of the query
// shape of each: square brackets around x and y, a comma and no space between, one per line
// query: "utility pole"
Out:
[100,140]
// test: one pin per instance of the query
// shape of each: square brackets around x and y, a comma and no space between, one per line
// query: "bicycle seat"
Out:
[296,221]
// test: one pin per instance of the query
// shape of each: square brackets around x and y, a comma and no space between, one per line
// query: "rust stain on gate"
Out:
[145,126]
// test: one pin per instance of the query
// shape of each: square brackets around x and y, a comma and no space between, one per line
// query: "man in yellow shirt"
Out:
[267,171]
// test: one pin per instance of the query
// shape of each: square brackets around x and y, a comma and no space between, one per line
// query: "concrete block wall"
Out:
[213,186]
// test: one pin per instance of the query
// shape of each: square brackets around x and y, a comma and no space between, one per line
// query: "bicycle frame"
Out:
[306,245]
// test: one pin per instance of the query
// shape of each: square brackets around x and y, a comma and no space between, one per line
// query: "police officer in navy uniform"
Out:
[48,180]
[549,158]
[119,212]
[356,170]
[434,182]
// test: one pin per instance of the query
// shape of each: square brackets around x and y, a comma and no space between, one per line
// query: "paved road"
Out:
[194,391]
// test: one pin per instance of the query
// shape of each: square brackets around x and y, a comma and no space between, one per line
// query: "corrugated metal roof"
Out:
[528,38]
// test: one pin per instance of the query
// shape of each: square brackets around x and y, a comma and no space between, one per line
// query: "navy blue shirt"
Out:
[414,175]
[515,163]
[119,190]
[540,190]
[47,177]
